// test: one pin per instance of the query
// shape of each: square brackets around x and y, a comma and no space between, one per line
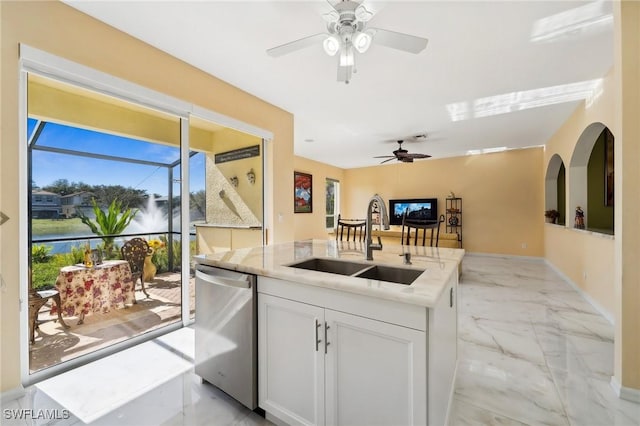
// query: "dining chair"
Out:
[357,226]
[408,224]
[37,299]
[135,251]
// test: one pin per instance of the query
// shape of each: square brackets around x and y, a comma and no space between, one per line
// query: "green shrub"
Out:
[160,256]
[40,253]
[44,274]
[113,222]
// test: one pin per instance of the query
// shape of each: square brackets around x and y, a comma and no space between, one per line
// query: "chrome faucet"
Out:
[384,219]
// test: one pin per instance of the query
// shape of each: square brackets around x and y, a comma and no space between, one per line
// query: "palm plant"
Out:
[109,224]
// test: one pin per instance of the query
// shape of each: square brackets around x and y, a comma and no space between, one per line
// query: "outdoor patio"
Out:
[54,344]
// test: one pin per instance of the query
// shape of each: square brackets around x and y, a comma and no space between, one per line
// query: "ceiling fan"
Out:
[402,154]
[347,31]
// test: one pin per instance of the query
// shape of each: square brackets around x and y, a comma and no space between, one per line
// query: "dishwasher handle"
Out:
[244,282]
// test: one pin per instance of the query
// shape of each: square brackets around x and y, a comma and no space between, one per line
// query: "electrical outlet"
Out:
[524,245]
[584,275]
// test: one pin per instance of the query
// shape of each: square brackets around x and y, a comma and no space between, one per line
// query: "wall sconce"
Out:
[234,181]
[251,177]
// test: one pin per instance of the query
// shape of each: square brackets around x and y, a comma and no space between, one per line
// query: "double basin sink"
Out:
[360,270]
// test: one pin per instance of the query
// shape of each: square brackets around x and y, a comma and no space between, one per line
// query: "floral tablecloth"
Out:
[99,289]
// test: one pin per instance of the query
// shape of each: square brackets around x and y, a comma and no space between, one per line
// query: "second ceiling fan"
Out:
[403,155]
[347,33]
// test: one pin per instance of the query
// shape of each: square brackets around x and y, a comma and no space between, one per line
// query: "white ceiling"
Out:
[476,50]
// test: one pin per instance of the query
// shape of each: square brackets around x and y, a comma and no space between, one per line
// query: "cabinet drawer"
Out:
[403,314]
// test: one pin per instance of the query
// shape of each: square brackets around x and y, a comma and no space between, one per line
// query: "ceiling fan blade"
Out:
[386,161]
[408,43]
[292,46]
[413,155]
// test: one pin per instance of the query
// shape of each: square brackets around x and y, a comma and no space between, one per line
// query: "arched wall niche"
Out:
[579,171]
[555,187]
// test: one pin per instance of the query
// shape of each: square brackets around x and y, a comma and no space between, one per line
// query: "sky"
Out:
[47,167]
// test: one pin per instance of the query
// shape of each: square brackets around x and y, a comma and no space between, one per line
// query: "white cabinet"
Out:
[320,366]
[375,372]
[290,360]
[443,351]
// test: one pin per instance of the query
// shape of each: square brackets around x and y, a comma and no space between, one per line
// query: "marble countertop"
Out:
[272,260]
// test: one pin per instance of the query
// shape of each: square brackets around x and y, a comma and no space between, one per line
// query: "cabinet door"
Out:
[375,372]
[290,361]
[443,334]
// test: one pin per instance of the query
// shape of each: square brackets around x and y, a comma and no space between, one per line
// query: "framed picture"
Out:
[302,197]
[608,168]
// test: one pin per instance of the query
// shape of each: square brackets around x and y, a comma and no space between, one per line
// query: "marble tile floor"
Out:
[532,351]
[95,392]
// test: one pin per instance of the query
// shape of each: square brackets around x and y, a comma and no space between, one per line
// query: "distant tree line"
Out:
[128,197]
[103,194]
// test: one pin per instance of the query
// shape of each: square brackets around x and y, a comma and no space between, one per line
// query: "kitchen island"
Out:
[350,347]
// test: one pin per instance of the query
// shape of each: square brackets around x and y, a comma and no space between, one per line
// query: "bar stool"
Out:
[358,226]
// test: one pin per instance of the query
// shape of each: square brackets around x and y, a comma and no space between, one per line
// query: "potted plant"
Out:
[551,216]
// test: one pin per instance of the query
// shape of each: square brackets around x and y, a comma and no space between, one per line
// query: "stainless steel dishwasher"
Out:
[226,332]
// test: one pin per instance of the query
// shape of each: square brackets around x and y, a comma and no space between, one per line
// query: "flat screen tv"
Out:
[422,209]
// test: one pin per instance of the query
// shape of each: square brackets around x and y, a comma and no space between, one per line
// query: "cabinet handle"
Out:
[317,340]
[326,340]
[451,297]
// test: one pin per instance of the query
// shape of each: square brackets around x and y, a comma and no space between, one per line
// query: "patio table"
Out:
[98,289]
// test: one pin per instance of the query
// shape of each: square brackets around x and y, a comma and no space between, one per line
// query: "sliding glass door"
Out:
[102,172]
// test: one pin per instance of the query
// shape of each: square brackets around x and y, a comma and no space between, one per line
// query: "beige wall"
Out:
[607,268]
[63,31]
[502,195]
[587,259]
[627,196]
[584,257]
[312,225]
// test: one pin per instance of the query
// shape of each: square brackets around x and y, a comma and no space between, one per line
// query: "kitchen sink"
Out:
[360,270]
[391,274]
[330,265]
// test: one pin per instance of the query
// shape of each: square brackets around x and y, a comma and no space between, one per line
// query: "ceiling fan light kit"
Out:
[362,41]
[331,45]
[347,30]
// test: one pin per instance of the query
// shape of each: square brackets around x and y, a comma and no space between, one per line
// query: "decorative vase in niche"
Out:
[149,269]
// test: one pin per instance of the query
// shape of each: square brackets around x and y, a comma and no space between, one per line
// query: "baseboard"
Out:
[602,311]
[273,419]
[12,394]
[504,256]
[623,392]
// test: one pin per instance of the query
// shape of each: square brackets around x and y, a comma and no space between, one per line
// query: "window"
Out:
[333,207]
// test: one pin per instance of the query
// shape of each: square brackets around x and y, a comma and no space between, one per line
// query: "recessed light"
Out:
[309,140]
